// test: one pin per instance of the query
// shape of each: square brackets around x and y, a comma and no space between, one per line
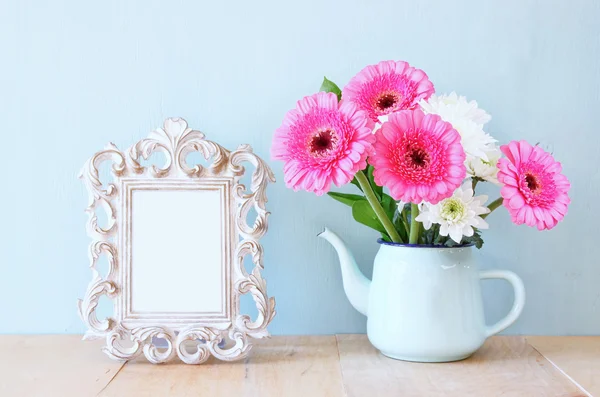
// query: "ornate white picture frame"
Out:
[175,241]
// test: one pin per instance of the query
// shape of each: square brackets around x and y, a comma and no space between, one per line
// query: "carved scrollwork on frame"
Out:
[195,340]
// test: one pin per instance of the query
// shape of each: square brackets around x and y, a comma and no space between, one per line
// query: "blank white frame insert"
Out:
[176,243]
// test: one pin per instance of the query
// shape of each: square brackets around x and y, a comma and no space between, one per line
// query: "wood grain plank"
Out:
[281,366]
[504,366]
[577,356]
[53,365]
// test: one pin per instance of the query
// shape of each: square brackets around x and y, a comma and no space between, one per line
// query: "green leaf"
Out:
[440,240]
[345,198]
[386,238]
[401,221]
[400,228]
[389,205]
[363,213]
[377,189]
[474,239]
[430,235]
[330,86]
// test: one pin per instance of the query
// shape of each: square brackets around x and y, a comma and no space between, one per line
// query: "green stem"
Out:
[493,205]
[376,205]
[474,183]
[414,225]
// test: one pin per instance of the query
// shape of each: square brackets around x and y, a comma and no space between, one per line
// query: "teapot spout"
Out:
[356,285]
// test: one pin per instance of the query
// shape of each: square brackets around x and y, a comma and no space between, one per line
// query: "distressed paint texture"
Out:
[76,75]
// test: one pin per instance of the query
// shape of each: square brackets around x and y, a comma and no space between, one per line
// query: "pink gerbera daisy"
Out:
[322,141]
[418,157]
[535,192]
[388,87]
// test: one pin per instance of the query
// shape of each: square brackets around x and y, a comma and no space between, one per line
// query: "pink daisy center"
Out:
[387,102]
[532,183]
[418,158]
[412,155]
[536,185]
[325,133]
[322,143]
[389,93]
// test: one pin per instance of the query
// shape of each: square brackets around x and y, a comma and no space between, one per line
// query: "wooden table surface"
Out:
[342,365]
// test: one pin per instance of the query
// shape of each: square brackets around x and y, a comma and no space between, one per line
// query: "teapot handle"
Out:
[517,308]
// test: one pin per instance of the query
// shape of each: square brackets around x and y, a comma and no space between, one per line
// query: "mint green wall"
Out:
[75,75]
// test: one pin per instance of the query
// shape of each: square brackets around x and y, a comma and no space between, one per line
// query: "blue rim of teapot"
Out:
[383,242]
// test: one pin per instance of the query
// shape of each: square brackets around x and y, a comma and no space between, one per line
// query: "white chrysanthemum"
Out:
[463,109]
[484,169]
[457,215]
[466,118]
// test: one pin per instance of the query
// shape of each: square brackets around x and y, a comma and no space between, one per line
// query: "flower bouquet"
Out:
[415,158]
